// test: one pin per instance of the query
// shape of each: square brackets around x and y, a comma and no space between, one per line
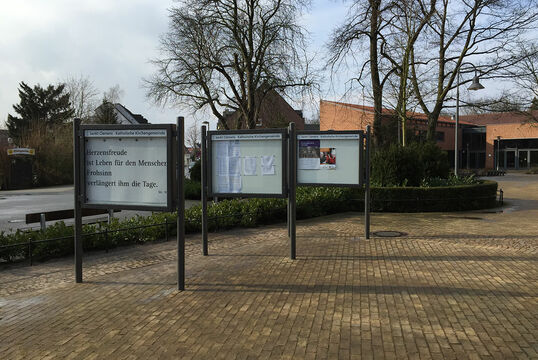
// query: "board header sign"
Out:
[127,167]
[21,151]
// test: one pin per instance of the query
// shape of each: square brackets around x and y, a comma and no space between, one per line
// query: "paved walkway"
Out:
[459,285]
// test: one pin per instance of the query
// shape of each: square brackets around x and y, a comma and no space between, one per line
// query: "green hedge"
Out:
[311,202]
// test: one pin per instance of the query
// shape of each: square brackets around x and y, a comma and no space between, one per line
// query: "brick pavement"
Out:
[460,285]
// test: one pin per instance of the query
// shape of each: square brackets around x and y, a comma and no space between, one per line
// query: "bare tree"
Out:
[114,94]
[362,28]
[482,31]
[193,137]
[228,54]
[83,96]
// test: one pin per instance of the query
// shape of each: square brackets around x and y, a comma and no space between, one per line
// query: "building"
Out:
[502,140]
[505,140]
[125,117]
[275,112]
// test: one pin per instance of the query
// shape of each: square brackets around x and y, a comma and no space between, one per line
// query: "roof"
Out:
[390,112]
[514,117]
[132,118]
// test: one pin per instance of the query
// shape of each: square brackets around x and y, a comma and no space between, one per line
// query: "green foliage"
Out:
[105,113]
[408,166]
[452,180]
[311,202]
[193,189]
[196,171]
[39,106]
[53,160]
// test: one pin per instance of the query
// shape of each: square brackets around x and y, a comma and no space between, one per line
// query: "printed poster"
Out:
[327,158]
[309,154]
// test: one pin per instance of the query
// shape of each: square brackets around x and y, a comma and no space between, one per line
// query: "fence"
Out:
[26,250]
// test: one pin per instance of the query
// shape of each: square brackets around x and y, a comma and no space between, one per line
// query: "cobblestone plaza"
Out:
[455,286]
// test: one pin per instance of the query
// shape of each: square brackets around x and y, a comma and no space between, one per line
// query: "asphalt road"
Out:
[15,204]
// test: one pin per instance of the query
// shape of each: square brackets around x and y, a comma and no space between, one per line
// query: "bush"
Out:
[196,171]
[311,202]
[193,189]
[408,166]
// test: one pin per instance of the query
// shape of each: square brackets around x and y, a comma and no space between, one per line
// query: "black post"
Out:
[292,185]
[78,213]
[367,185]
[166,228]
[180,174]
[205,250]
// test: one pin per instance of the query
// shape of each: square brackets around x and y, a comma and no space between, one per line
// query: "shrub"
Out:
[193,189]
[196,171]
[408,166]
[311,202]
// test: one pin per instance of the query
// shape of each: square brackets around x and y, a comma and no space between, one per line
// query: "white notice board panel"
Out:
[126,167]
[328,159]
[246,163]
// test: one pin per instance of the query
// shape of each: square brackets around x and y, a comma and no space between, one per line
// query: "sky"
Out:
[110,42]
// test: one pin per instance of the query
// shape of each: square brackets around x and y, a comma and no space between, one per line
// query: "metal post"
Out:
[110,216]
[180,204]
[43,222]
[78,213]
[166,228]
[367,185]
[292,186]
[456,125]
[498,152]
[203,155]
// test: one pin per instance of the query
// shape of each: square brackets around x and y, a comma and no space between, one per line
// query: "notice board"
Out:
[247,163]
[127,167]
[329,158]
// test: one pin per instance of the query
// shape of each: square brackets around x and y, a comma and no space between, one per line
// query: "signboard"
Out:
[247,163]
[21,151]
[329,158]
[127,167]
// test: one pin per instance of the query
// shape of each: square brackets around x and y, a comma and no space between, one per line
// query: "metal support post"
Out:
[78,213]
[292,186]
[180,204]
[367,185]
[110,216]
[42,222]
[203,155]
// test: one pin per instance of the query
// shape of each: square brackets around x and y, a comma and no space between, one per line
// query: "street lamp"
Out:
[498,150]
[475,85]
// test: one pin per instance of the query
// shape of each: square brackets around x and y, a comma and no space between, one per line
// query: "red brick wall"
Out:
[506,131]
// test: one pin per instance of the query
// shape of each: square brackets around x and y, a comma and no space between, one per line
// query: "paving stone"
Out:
[452,288]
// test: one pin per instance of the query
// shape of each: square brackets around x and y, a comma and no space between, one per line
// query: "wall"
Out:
[506,131]
[340,116]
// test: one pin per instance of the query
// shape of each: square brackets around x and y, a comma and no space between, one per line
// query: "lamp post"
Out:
[475,85]
[498,151]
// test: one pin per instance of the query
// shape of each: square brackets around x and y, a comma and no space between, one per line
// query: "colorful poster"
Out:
[309,155]
[327,158]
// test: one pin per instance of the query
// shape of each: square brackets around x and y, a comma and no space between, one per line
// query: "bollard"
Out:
[43,222]
[166,228]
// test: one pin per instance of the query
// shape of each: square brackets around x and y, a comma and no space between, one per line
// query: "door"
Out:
[523,159]
[510,159]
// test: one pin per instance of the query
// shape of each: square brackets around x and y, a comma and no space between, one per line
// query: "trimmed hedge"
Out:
[311,202]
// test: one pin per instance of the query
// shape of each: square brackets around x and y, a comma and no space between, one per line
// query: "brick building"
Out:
[275,112]
[478,135]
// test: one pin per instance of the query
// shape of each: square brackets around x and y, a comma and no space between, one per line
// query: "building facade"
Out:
[500,140]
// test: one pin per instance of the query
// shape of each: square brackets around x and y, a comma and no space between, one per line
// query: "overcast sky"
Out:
[110,42]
